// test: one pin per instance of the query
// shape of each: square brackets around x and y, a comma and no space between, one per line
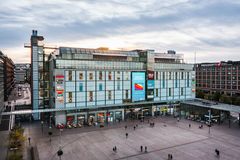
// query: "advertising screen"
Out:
[150,84]
[138,86]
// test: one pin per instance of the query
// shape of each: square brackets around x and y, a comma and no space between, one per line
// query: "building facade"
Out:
[39,75]
[100,85]
[1,83]
[22,72]
[223,78]
[9,78]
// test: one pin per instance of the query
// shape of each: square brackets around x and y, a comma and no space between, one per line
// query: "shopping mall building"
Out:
[102,85]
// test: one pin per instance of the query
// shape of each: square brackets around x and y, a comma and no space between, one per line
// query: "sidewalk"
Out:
[3,144]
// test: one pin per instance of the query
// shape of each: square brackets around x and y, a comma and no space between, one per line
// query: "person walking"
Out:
[126,135]
[29,140]
[125,127]
[189,125]
[145,148]
[115,148]
[134,127]
[141,148]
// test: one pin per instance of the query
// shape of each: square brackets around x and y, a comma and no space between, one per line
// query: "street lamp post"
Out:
[42,126]
[209,122]
[50,122]
[60,152]
[50,134]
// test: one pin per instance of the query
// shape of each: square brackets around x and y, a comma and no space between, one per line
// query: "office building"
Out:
[222,78]
[9,79]
[1,83]
[22,72]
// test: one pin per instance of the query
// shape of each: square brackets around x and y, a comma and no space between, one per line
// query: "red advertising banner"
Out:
[150,75]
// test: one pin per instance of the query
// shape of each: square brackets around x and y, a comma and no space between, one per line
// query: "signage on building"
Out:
[150,84]
[59,88]
[150,75]
[138,86]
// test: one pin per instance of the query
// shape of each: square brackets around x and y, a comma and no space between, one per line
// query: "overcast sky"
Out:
[211,28]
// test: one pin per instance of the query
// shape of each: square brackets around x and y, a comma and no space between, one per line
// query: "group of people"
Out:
[201,126]
[114,149]
[170,156]
[141,148]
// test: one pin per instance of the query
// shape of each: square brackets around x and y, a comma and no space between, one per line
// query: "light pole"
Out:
[60,152]
[50,122]
[209,122]
[42,126]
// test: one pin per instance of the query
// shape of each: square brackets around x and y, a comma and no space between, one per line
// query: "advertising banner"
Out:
[59,88]
[150,84]
[138,86]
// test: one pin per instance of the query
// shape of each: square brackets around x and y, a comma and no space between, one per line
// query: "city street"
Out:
[167,137]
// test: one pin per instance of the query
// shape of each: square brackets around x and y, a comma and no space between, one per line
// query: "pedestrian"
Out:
[29,140]
[217,152]
[126,135]
[189,125]
[134,127]
[178,119]
[115,148]
[125,127]
[171,157]
[141,148]
[145,148]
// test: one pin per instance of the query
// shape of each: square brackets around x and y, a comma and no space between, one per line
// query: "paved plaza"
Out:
[167,137]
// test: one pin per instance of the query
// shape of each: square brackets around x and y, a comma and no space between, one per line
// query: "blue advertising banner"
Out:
[150,84]
[138,86]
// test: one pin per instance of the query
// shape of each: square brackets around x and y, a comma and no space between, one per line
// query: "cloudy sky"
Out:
[211,28]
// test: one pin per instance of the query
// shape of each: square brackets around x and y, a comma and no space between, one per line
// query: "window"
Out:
[100,87]
[169,92]
[181,75]
[81,76]
[91,76]
[163,84]
[170,75]
[156,92]
[80,87]
[118,85]
[176,83]
[70,97]
[118,75]
[126,76]
[70,75]
[91,96]
[109,95]
[156,75]
[100,75]
[109,75]
[181,91]
[126,94]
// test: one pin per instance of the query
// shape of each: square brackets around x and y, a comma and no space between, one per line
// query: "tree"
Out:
[216,96]
[199,94]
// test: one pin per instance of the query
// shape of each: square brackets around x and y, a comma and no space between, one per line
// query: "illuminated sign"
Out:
[59,88]
[150,84]
[150,75]
[138,86]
